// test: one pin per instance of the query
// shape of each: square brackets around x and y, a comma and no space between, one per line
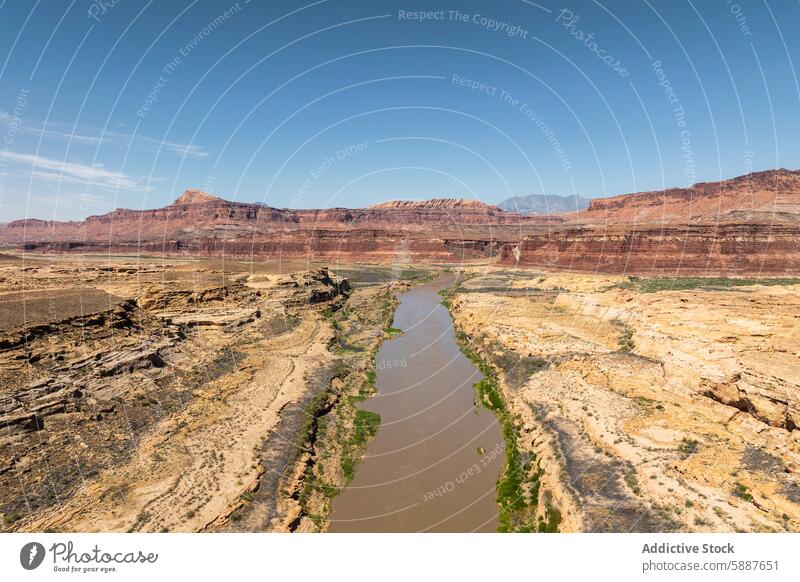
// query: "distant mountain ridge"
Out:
[544,204]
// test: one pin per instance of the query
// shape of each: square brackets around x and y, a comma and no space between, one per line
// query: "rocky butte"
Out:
[745,225]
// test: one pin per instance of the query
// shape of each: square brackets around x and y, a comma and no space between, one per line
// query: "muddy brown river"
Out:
[434,463]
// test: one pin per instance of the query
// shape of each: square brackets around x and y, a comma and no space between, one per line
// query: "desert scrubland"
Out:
[204,395]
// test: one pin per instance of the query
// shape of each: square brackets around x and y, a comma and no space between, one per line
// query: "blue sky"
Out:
[347,103]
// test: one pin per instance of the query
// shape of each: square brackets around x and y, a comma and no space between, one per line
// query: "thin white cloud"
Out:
[93,201]
[94,137]
[60,171]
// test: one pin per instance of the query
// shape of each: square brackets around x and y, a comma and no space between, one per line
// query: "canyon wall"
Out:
[725,249]
[379,246]
[761,194]
[746,225]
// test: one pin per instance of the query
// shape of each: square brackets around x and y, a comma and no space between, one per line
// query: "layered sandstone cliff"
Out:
[721,249]
[765,195]
[198,215]
[746,225]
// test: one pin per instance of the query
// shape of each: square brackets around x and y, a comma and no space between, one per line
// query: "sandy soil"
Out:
[194,465]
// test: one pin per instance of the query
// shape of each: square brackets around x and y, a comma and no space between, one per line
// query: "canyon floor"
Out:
[145,394]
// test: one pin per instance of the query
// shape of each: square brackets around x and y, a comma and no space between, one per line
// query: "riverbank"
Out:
[524,506]
[338,430]
[313,452]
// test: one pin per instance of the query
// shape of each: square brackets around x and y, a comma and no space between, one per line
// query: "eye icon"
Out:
[31,555]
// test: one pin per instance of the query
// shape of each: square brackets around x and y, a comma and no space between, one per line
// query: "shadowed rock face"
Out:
[746,225]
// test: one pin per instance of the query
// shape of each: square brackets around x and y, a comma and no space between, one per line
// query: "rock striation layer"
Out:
[744,226]
[728,249]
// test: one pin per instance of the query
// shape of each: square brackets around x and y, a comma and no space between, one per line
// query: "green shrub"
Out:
[688,446]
